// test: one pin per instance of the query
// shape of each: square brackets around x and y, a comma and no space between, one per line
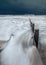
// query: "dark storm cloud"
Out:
[21,6]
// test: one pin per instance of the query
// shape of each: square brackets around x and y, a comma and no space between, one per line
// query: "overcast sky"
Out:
[22,6]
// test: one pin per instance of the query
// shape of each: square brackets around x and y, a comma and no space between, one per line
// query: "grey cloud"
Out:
[29,3]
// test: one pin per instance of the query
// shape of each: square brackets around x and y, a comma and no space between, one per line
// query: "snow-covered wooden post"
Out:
[32,26]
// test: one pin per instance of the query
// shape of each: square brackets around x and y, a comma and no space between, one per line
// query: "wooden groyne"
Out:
[42,50]
[35,33]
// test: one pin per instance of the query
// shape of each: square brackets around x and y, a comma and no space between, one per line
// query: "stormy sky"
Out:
[22,6]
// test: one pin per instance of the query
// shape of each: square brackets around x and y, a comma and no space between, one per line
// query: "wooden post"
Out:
[32,26]
[36,37]
[1,50]
[30,23]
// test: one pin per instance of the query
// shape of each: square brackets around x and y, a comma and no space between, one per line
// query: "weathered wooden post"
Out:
[30,22]
[1,49]
[32,25]
[36,37]
[33,28]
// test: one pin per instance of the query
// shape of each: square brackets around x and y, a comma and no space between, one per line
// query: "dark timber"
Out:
[32,25]
[35,33]
[36,37]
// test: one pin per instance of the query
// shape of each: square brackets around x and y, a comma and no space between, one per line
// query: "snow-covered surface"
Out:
[14,53]
[14,24]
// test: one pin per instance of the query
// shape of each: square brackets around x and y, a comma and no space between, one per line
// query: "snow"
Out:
[16,52]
